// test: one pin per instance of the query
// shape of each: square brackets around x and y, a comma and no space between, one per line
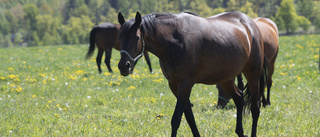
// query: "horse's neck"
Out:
[155,48]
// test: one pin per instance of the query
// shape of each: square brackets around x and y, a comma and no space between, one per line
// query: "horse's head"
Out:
[131,43]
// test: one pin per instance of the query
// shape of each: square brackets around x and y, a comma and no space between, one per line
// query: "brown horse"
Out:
[106,36]
[270,37]
[194,50]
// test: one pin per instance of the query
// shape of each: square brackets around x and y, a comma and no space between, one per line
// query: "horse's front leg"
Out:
[182,92]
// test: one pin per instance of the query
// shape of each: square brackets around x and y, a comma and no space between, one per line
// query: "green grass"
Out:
[53,91]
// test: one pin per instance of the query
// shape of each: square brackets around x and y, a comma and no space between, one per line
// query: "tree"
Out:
[288,15]
[218,10]
[201,8]
[248,10]
[112,16]
[77,30]
[303,22]
[316,14]
[48,26]
[232,5]
[31,12]
[305,8]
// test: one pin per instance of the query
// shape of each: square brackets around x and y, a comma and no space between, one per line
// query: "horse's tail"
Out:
[92,42]
[263,80]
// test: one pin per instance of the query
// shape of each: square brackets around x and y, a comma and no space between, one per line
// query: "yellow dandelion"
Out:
[34,96]
[153,100]
[43,75]
[299,78]
[12,76]
[18,89]
[44,81]
[283,74]
[10,68]
[131,88]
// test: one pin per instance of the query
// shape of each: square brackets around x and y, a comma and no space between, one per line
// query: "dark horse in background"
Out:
[192,49]
[106,37]
[270,37]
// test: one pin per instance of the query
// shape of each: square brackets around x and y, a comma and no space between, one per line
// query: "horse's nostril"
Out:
[128,64]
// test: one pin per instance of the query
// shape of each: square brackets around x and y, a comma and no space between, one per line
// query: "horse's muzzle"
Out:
[124,68]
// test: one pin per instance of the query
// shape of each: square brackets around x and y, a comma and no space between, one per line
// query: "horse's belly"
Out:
[223,70]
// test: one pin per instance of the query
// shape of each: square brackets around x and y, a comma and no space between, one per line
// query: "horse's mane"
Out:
[148,21]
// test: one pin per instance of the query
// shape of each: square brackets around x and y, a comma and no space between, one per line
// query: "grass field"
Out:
[53,91]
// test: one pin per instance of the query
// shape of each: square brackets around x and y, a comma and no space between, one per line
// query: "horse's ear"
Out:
[138,18]
[121,19]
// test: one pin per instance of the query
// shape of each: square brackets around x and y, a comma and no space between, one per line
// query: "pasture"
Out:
[54,91]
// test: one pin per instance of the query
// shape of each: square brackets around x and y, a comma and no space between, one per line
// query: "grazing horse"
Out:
[270,37]
[106,36]
[191,50]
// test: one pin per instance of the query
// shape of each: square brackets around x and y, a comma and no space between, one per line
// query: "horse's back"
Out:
[252,33]
[232,43]
[107,35]
[269,32]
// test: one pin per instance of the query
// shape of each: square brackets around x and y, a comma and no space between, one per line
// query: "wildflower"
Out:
[34,96]
[131,88]
[2,78]
[43,75]
[18,89]
[44,81]
[88,97]
[153,100]
[10,68]
[12,76]
[299,78]
[283,74]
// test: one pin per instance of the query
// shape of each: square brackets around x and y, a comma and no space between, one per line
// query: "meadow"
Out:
[54,91]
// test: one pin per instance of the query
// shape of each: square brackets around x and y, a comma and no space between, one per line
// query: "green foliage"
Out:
[218,10]
[303,22]
[316,14]
[27,16]
[31,12]
[247,9]
[305,8]
[232,5]
[288,14]
[201,8]
[77,30]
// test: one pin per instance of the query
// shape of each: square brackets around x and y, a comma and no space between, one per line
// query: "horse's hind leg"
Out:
[146,56]
[107,59]
[269,79]
[231,89]
[254,79]
[98,59]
